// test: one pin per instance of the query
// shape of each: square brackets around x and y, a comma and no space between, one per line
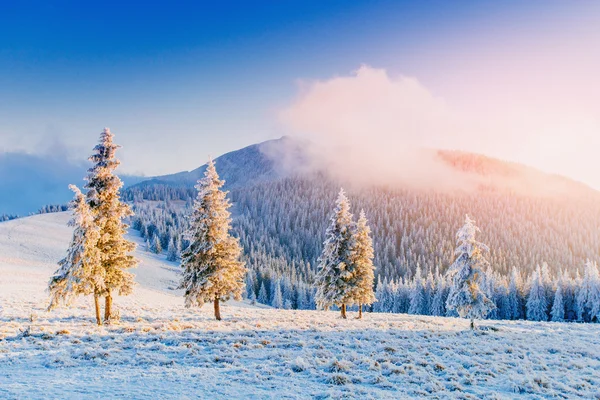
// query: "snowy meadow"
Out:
[160,349]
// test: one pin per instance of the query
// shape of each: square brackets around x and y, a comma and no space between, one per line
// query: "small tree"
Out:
[80,272]
[465,295]
[537,303]
[417,302]
[263,297]
[514,295]
[156,245]
[277,300]
[437,303]
[558,306]
[109,213]
[172,253]
[588,298]
[362,287]
[336,264]
[212,267]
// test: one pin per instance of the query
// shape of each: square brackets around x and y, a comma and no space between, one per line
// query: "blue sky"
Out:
[179,81]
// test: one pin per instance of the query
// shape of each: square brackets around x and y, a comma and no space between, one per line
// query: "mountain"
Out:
[282,206]
[250,165]
[31,181]
[286,156]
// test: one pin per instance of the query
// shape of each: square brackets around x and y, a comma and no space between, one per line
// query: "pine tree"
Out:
[277,301]
[263,297]
[250,289]
[514,296]
[172,251]
[80,272]
[537,303]
[213,270]
[558,306]
[417,295]
[589,295]
[362,287]
[109,212]
[335,275]
[156,245]
[437,303]
[465,295]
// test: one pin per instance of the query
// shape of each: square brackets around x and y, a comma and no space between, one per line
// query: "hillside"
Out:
[160,349]
[527,217]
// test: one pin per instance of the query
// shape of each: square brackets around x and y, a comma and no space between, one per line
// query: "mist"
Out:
[371,127]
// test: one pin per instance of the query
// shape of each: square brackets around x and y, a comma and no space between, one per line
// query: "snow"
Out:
[159,349]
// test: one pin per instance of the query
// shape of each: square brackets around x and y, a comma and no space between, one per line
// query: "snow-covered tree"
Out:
[514,303]
[109,212]
[418,302]
[437,303]
[588,296]
[212,267]
[537,303]
[335,275]
[277,300]
[558,305]
[263,297]
[465,296]
[362,285]
[156,245]
[172,251]
[80,272]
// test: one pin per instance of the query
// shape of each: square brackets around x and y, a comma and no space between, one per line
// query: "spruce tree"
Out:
[156,245]
[212,267]
[277,301]
[465,296]
[437,303]
[263,297]
[588,298]
[109,212]
[362,287]
[417,303]
[172,251]
[80,272]
[558,306]
[335,275]
[514,296]
[537,303]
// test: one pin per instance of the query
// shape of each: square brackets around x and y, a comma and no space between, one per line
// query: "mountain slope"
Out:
[526,216]
[274,159]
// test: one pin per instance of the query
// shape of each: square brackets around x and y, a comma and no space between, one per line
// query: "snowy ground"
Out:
[161,350]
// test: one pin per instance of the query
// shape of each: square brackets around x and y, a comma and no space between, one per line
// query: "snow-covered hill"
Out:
[161,350]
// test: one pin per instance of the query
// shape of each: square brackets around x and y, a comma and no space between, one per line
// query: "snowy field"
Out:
[161,350]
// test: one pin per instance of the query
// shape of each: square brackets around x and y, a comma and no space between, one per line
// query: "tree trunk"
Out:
[344,311]
[107,307]
[360,311]
[217,309]
[472,324]
[97,304]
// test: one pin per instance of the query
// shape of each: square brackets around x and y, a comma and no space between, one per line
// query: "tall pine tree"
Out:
[212,267]
[109,212]
[80,272]
[334,278]
[362,290]
[465,296]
